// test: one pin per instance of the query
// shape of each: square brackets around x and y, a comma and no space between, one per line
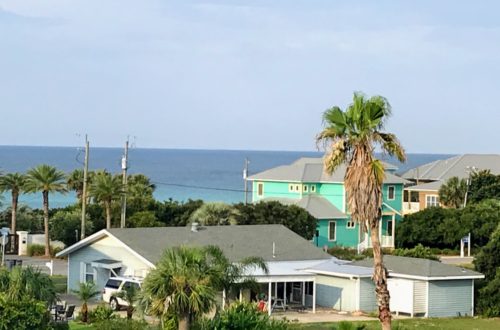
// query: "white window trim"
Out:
[260,184]
[329,224]
[297,188]
[83,272]
[431,195]
[347,225]
[290,187]
[313,188]
[305,188]
[393,195]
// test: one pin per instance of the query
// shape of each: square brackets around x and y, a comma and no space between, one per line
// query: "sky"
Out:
[253,75]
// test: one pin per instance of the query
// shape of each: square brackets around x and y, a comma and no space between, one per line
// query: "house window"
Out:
[389,228]
[332,230]
[350,224]
[309,288]
[89,273]
[431,200]
[297,188]
[313,188]
[391,193]
[260,189]
[290,188]
[304,187]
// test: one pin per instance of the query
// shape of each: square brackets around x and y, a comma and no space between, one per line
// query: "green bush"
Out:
[59,326]
[101,313]
[488,299]
[345,253]
[418,251]
[241,316]
[124,324]
[38,250]
[25,313]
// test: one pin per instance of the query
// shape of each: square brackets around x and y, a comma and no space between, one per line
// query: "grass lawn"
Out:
[60,282]
[420,324]
[78,326]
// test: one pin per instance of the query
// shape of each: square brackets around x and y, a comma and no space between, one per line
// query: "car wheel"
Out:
[113,303]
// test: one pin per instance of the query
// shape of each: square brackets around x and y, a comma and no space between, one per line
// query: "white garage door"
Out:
[401,292]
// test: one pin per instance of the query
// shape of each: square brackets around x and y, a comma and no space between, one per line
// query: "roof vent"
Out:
[194,227]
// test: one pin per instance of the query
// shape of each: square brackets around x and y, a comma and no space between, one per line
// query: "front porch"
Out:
[387,230]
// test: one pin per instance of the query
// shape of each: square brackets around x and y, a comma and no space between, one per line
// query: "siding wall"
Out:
[448,298]
[106,248]
[368,299]
[420,297]
[335,292]
[344,236]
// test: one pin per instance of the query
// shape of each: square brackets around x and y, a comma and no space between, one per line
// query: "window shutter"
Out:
[82,272]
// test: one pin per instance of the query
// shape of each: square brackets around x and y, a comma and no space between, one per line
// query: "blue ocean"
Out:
[179,174]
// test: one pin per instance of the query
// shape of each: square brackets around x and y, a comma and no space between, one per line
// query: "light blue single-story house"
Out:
[300,274]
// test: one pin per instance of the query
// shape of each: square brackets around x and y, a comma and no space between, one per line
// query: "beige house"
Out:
[428,178]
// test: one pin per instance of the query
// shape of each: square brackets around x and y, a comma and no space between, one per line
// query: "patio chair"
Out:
[69,313]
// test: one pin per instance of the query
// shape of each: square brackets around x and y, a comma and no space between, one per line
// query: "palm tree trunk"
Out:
[380,278]
[15,197]
[184,322]
[107,206]
[84,312]
[46,221]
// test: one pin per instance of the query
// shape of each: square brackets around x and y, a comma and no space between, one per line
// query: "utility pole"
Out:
[245,178]
[124,182]
[470,170]
[85,183]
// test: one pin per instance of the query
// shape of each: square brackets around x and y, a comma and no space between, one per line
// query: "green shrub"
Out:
[345,253]
[59,326]
[38,250]
[242,316]
[101,313]
[124,324]
[344,325]
[418,251]
[26,313]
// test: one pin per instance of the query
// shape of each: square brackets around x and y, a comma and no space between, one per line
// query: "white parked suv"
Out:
[117,284]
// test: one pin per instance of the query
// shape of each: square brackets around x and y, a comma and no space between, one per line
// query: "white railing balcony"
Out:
[411,207]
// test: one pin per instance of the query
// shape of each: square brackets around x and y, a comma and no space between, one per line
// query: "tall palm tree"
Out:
[183,284]
[353,135]
[47,179]
[74,182]
[452,193]
[106,188]
[15,182]
[86,291]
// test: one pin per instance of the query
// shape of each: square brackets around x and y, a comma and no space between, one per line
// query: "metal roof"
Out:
[454,166]
[420,268]
[309,169]
[317,206]
[429,186]
[336,267]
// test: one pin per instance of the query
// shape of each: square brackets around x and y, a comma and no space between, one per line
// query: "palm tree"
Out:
[74,182]
[214,214]
[452,193]
[20,283]
[353,135]
[106,188]
[86,292]
[182,284]
[233,277]
[130,294]
[14,182]
[47,179]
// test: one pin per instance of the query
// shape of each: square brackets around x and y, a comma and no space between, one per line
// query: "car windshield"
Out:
[114,284]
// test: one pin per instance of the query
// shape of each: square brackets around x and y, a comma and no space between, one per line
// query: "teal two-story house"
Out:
[306,184]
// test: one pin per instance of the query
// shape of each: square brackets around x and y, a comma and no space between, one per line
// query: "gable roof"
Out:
[418,268]
[317,206]
[237,241]
[454,166]
[308,169]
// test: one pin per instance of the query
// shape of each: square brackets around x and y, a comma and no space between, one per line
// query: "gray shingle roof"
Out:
[317,206]
[454,166]
[309,169]
[429,186]
[419,267]
[237,242]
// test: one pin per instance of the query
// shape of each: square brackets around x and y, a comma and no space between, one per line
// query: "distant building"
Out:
[428,178]
[306,184]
